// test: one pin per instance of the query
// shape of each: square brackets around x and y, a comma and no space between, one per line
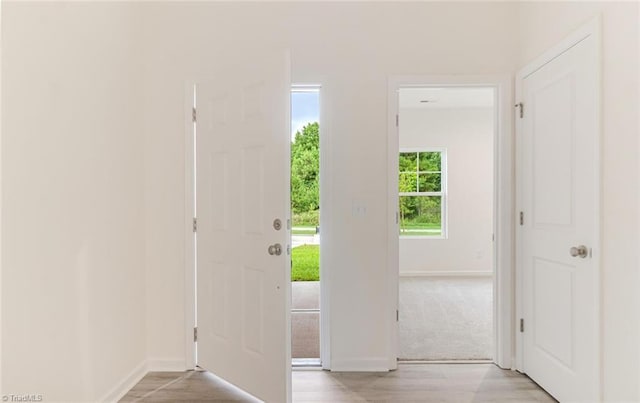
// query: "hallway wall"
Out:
[73,281]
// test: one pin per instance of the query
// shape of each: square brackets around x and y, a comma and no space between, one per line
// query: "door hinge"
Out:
[521,325]
[521,218]
[195,224]
[521,106]
[397,217]
[397,315]
[397,120]
[193,114]
[195,334]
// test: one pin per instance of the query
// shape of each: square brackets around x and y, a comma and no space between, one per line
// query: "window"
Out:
[422,184]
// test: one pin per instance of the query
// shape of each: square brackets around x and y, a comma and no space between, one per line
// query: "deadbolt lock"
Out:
[277,224]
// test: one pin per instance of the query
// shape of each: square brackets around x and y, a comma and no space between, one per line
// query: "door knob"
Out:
[275,249]
[579,251]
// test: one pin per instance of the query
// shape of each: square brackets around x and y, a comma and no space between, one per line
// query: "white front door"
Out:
[558,147]
[242,203]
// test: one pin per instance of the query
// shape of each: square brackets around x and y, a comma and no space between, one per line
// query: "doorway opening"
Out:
[446,178]
[305,228]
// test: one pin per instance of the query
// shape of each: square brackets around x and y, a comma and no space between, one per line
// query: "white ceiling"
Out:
[446,97]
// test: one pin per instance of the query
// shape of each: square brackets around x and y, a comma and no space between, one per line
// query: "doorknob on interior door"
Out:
[275,249]
[579,251]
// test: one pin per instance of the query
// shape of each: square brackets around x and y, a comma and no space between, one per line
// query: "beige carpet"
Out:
[446,318]
[440,319]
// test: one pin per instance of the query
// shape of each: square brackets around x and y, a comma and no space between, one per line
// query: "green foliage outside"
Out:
[305,201]
[305,170]
[306,218]
[305,263]
[420,172]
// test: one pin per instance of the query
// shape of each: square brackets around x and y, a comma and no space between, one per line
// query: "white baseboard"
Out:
[360,365]
[165,365]
[118,391]
[445,273]
[146,366]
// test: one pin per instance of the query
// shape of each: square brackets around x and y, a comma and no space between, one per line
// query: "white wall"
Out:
[541,25]
[467,135]
[1,297]
[350,49]
[73,285]
[638,125]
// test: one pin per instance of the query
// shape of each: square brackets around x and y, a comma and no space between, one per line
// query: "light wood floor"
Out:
[455,383]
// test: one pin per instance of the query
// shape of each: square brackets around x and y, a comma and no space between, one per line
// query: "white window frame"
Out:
[442,193]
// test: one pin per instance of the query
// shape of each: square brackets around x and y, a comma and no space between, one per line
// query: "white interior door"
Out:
[559,199]
[243,263]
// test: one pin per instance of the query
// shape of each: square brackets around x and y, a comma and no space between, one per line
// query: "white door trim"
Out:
[189,239]
[638,287]
[591,28]
[325,222]
[503,209]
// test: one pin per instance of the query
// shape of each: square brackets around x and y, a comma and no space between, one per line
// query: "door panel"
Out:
[559,173]
[242,185]
[553,141]
[553,310]
[219,186]
[253,190]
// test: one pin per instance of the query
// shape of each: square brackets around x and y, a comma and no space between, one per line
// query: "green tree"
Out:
[419,172]
[305,169]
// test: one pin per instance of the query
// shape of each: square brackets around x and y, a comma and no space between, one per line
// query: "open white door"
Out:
[242,196]
[559,147]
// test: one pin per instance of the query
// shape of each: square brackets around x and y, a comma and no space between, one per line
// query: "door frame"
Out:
[503,207]
[189,239]
[591,28]
[325,340]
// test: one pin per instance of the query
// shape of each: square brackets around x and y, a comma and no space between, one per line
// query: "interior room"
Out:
[446,269]
[97,210]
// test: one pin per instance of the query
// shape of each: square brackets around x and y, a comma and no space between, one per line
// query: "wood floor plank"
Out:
[455,383]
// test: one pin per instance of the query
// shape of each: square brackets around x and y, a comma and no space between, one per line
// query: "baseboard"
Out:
[146,366]
[121,389]
[165,365]
[445,273]
[360,365]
